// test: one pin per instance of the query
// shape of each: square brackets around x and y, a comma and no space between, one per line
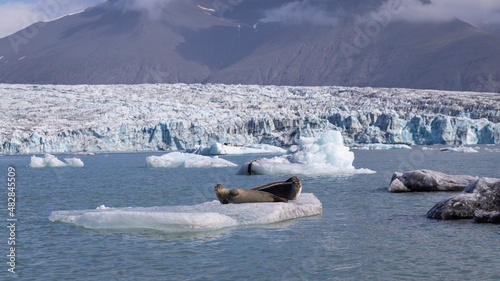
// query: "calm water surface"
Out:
[364,233]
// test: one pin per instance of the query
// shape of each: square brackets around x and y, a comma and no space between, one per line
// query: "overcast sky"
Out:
[18,14]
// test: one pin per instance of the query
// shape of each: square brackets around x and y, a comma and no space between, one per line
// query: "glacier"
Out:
[158,117]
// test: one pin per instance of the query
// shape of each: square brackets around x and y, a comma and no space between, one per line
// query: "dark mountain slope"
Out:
[196,41]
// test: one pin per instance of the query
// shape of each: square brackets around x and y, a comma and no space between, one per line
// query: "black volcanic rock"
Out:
[198,41]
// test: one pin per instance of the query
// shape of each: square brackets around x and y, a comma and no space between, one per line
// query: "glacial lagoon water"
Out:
[363,233]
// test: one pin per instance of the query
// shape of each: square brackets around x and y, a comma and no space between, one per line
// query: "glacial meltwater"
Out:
[118,218]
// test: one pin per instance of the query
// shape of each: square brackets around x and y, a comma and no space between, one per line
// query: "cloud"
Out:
[153,8]
[477,13]
[15,16]
[299,12]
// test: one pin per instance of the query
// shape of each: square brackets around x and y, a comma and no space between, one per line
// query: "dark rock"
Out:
[205,41]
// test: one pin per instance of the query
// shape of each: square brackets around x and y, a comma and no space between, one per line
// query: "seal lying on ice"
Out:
[289,189]
[237,196]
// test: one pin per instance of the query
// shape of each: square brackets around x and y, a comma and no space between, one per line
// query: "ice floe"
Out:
[479,200]
[49,160]
[202,217]
[324,155]
[462,149]
[186,160]
[222,149]
[380,146]
[427,180]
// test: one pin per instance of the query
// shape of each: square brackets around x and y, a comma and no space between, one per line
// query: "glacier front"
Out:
[119,118]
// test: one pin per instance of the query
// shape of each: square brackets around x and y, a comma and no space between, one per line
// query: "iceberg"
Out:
[202,217]
[50,160]
[427,180]
[325,155]
[222,149]
[479,200]
[380,146]
[186,160]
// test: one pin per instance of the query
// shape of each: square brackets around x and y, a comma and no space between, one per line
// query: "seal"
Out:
[249,168]
[289,189]
[237,196]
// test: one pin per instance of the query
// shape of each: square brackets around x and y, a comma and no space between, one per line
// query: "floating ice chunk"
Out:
[74,162]
[480,195]
[462,149]
[220,149]
[102,207]
[50,160]
[201,217]
[83,153]
[187,160]
[316,156]
[428,180]
[380,146]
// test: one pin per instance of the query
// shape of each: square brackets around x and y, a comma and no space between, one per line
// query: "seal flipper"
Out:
[278,199]
[234,192]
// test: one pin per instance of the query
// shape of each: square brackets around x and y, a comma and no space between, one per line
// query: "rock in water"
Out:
[427,180]
[480,199]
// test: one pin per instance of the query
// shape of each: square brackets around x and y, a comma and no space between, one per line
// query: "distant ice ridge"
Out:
[202,217]
[379,146]
[220,149]
[462,149]
[186,160]
[325,155]
[49,160]
[119,118]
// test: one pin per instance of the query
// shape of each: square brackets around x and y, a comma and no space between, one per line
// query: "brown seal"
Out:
[238,196]
[289,189]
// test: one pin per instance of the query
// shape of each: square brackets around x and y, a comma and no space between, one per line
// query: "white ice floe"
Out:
[202,217]
[186,160]
[220,149]
[50,160]
[380,146]
[325,155]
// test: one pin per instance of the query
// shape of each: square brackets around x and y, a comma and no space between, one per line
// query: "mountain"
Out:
[279,42]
